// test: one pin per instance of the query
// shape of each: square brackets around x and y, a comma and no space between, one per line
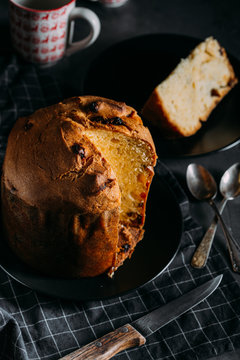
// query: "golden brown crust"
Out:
[128,239]
[60,197]
[155,112]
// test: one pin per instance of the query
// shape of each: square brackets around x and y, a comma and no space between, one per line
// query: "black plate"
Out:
[152,255]
[128,71]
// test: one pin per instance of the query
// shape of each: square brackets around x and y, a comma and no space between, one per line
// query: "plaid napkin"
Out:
[35,326]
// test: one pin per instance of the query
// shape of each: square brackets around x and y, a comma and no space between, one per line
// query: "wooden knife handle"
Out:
[109,345]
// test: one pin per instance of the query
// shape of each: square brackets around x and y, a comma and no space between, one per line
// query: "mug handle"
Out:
[92,19]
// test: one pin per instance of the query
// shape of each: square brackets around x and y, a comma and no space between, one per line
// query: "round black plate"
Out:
[128,71]
[152,255]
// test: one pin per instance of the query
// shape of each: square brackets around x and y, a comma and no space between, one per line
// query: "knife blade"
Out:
[135,334]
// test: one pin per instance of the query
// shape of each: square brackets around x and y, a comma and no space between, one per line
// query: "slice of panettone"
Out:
[185,99]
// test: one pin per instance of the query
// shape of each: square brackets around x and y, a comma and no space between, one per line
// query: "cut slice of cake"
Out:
[131,161]
[185,99]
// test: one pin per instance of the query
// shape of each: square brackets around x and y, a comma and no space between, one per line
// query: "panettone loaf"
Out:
[75,181]
[185,99]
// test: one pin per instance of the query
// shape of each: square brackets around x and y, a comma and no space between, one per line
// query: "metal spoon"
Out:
[203,187]
[230,189]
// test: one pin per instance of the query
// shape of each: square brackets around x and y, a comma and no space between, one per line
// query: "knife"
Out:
[135,334]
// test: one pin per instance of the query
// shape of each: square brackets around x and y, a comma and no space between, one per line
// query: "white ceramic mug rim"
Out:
[37,10]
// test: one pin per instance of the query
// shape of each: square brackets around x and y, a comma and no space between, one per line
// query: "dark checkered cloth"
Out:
[35,326]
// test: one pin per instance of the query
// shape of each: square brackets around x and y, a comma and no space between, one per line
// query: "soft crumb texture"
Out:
[129,159]
[75,182]
[187,96]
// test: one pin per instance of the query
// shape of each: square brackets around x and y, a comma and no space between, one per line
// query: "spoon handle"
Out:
[233,246]
[201,254]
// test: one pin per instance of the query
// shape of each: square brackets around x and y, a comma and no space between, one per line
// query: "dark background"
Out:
[198,18]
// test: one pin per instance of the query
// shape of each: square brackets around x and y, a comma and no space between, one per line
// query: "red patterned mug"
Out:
[42,30]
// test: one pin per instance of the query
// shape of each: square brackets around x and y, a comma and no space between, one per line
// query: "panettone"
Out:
[185,99]
[75,182]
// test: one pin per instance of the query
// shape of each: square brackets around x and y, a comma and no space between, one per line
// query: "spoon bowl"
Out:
[201,183]
[230,182]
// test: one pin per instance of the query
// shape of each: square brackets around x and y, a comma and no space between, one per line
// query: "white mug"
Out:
[42,30]
[111,3]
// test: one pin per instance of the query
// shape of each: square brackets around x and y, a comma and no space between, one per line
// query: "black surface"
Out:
[152,255]
[129,70]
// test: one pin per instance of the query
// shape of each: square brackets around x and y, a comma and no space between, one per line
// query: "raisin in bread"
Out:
[185,99]
[75,182]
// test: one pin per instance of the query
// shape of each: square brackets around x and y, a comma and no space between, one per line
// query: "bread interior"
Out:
[196,84]
[129,159]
